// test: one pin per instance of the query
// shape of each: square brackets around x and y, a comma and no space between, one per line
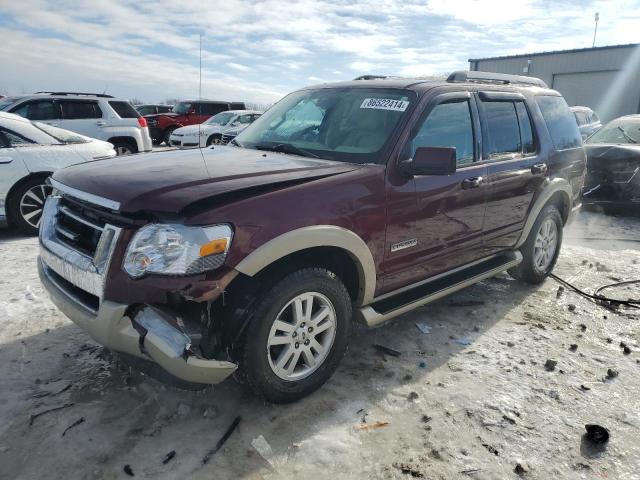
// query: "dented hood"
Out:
[171,181]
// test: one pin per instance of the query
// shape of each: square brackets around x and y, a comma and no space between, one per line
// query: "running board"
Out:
[391,305]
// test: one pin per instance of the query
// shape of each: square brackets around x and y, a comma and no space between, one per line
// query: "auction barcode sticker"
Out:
[385,104]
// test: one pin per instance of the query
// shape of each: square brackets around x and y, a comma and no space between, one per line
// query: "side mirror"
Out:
[431,161]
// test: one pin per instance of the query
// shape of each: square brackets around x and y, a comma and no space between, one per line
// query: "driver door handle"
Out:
[539,168]
[473,182]
[101,123]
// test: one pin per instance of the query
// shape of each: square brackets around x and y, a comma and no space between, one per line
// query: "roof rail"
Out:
[371,77]
[84,94]
[490,77]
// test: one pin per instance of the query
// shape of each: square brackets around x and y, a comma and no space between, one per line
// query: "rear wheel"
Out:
[296,336]
[541,249]
[27,203]
[123,147]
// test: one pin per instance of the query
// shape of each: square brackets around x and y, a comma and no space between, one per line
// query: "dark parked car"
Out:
[359,200]
[148,109]
[613,166]
[190,112]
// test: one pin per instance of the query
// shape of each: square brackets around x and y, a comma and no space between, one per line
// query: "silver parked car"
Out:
[29,153]
[588,121]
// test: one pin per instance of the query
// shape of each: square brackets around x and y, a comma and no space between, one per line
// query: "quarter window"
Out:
[448,125]
[560,122]
[526,131]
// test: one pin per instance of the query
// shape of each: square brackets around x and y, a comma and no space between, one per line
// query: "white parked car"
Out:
[587,120]
[29,153]
[211,131]
[94,115]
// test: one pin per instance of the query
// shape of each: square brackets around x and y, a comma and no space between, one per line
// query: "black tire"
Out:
[214,139]
[528,271]
[252,351]
[24,210]
[167,135]
[124,147]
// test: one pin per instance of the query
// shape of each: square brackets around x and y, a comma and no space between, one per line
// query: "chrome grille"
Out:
[78,227]
[226,138]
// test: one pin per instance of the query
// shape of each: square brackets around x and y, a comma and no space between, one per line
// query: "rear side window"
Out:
[560,122]
[124,109]
[448,125]
[503,133]
[76,110]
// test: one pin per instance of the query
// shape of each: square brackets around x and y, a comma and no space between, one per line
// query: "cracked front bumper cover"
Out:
[159,340]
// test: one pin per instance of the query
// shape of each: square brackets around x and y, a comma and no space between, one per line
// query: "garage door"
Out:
[593,89]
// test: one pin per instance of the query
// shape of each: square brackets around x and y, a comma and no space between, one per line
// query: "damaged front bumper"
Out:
[148,335]
[75,283]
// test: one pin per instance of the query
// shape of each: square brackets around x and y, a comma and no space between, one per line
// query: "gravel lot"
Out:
[469,399]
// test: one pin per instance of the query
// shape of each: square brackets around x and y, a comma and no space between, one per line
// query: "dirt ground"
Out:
[469,399]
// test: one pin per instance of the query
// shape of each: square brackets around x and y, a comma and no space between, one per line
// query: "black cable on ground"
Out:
[599,299]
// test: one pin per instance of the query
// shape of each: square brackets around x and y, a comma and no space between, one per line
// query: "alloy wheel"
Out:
[32,204]
[545,245]
[301,336]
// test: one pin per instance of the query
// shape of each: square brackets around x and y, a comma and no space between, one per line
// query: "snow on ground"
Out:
[470,399]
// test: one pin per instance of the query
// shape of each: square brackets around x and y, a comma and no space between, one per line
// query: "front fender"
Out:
[317,236]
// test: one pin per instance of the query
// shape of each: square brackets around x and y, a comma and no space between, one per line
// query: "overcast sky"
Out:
[259,51]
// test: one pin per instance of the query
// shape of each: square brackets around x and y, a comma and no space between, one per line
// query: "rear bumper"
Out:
[149,335]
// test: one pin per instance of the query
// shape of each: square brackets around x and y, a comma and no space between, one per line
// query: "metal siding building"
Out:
[606,79]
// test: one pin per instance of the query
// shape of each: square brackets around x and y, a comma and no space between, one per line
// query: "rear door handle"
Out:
[539,168]
[473,182]
[101,123]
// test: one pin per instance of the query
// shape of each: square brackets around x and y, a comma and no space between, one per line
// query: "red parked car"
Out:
[356,201]
[188,112]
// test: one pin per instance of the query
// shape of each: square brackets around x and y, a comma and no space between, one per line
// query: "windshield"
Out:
[220,119]
[63,136]
[343,124]
[5,102]
[181,108]
[620,131]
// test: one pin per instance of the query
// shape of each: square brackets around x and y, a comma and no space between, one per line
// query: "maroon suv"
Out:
[359,200]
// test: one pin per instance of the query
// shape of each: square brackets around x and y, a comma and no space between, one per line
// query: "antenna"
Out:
[597,17]
[200,86]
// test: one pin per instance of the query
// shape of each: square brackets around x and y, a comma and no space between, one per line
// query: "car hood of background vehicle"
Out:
[191,130]
[93,149]
[168,182]
[611,156]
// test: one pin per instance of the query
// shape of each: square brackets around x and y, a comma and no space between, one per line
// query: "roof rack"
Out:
[371,77]
[490,77]
[84,94]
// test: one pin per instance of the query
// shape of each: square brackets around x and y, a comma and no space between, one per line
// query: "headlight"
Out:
[176,249]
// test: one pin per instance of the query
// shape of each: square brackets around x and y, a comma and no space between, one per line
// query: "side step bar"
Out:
[391,305]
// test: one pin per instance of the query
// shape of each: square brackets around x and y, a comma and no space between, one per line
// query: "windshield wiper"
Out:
[626,135]
[287,148]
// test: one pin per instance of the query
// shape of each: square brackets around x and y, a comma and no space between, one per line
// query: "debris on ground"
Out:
[264,449]
[625,348]
[491,449]
[387,350]
[372,426]
[585,388]
[571,307]
[423,327]
[550,365]
[222,440]
[407,469]
[127,469]
[597,433]
[168,457]
[55,409]
[573,347]
[74,424]
[464,341]
[521,468]
[470,471]
[611,373]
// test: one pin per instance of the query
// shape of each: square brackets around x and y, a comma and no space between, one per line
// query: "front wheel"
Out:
[27,203]
[297,335]
[215,139]
[541,249]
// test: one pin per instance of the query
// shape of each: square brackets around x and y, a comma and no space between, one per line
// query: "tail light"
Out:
[142,122]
